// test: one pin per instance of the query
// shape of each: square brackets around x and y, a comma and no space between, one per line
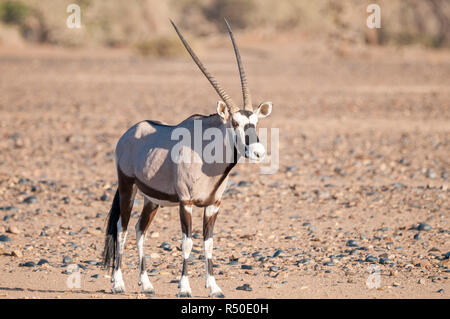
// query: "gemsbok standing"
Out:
[144,162]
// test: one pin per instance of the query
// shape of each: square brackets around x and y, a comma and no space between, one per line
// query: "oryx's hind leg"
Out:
[148,212]
[186,246]
[209,218]
[127,192]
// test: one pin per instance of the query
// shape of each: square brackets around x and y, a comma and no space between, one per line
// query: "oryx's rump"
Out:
[144,153]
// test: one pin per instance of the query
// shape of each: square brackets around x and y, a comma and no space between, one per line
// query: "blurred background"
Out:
[143,24]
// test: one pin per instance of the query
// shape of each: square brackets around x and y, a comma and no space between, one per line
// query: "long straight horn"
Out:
[245,90]
[223,95]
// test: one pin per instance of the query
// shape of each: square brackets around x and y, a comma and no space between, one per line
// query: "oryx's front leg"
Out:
[209,218]
[186,246]
[148,212]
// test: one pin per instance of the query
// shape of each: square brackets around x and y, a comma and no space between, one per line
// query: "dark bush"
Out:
[13,12]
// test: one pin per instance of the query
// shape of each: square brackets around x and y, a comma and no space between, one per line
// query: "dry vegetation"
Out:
[144,23]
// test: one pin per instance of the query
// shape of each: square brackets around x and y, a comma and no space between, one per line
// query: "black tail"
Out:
[109,252]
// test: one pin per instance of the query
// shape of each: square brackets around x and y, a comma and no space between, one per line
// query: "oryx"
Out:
[144,162]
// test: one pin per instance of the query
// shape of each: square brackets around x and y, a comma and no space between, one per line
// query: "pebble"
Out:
[82,267]
[154,235]
[42,261]
[95,276]
[245,287]
[417,237]
[351,243]
[441,291]
[164,245]
[16,253]
[277,253]
[8,208]
[30,200]
[274,268]
[27,264]
[423,226]
[304,261]
[246,267]
[329,263]
[4,238]
[371,259]
[430,174]
[23,181]
[244,184]
[13,230]
[67,260]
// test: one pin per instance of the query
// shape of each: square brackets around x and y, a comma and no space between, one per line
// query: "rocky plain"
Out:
[358,208]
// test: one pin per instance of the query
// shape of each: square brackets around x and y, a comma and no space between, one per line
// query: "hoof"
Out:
[118,290]
[184,294]
[218,294]
[148,291]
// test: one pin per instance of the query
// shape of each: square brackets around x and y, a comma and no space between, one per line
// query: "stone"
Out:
[277,253]
[42,262]
[4,238]
[30,200]
[244,184]
[16,253]
[27,264]
[13,230]
[371,259]
[424,227]
[351,243]
[245,287]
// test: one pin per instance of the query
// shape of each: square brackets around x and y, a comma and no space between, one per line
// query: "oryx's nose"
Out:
[257,151]
[259,154]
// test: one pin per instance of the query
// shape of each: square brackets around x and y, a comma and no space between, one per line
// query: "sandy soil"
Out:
[364,156]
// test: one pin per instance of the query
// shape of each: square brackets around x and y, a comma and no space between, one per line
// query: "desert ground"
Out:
[362,185]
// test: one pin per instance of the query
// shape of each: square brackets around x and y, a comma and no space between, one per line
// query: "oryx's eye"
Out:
[234,123]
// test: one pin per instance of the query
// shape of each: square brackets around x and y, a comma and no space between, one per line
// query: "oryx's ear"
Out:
[222,110]
[264,109]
